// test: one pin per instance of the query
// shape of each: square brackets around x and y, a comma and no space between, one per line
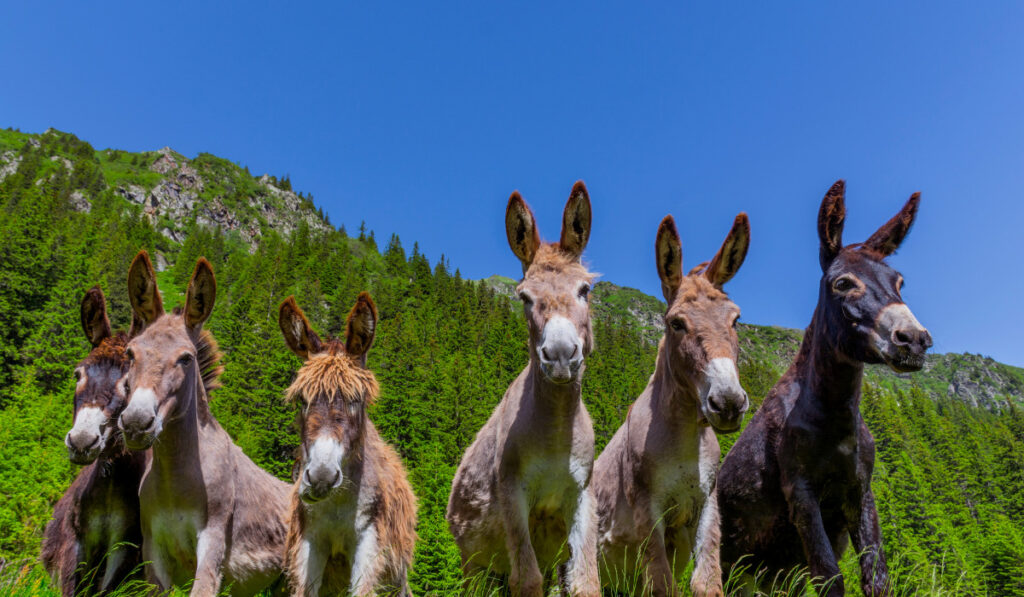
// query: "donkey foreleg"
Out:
[210,548]
[524,577]
[581,569]
[658,578]
[71,570]
[805,514]
[866,537]
[113,571]
[306,568]
[367,564]
[707,569]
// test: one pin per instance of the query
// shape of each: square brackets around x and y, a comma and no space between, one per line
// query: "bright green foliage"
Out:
[949,480]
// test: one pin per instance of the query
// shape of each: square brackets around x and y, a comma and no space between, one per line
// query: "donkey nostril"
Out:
[575,349]
[337,478]
[901,337]
[305,477]
[544,353]
[714,405]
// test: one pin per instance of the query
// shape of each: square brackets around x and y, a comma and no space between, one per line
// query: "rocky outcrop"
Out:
[181,196]
[9,162]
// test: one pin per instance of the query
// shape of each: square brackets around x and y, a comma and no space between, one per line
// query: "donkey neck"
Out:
[179,440]
[831,376]
[673,404]
[551,399]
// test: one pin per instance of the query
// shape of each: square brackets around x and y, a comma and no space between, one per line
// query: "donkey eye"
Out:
[735,322]
[584,291]
[843,284]
[129,354]
[184,360]
[678,325]
[78,375]
[527,299]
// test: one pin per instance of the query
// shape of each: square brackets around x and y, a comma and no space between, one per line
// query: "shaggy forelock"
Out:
[694,286]
[110,350]
[334,376]
[550,258]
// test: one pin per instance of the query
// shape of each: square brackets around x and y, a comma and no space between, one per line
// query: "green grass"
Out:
[28,579]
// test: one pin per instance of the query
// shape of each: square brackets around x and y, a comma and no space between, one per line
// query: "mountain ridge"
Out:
[177,194]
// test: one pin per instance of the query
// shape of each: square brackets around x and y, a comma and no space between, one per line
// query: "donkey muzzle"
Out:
[725,401]
[322,473]
[85,440]
[560,350]
[900,339]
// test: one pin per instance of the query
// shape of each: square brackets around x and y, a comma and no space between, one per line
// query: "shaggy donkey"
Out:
[655,481]
[208,512]
[353,513]
[521,492]
[95,526]
[797,484]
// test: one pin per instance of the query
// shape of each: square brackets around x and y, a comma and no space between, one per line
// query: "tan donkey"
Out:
[353,512]
[655,481]
[208,512]
[520,500]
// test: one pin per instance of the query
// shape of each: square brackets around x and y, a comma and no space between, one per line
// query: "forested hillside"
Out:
[949,479]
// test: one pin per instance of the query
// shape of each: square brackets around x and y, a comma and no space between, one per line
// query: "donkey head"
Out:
[859,296]
[98,396]
[335,387]
[166,374]
[556,287]
[700,341]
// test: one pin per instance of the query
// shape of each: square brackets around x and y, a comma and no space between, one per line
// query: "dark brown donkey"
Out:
[208,512]
[521,494]
[93,542]
[353,514]
[655,481]
[797,483]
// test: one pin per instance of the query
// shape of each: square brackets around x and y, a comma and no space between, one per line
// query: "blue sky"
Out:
[421,119]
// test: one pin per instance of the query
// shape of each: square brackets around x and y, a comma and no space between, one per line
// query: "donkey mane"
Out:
[333,374]
[396,505]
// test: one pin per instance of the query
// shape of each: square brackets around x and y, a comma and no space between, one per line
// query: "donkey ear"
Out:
[362,324]
[200,296]
[668,254]
[147,306]
[95,323]
[888,238]
[730,257]
[830,223]
[576,221]
[521,229]
[298,334]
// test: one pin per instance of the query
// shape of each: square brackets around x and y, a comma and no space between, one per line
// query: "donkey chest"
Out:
[335,527]
[173,536]
[678,491]
[108,511]
[553,482]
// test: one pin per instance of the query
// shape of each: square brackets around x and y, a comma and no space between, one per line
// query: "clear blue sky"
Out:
[421,118]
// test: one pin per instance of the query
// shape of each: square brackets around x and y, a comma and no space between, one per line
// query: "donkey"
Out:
[208,512]
[797,483]
[654,483]
[95,527]
[522,490]
[353,513]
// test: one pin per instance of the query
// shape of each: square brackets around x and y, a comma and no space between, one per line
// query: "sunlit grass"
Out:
[27,578]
